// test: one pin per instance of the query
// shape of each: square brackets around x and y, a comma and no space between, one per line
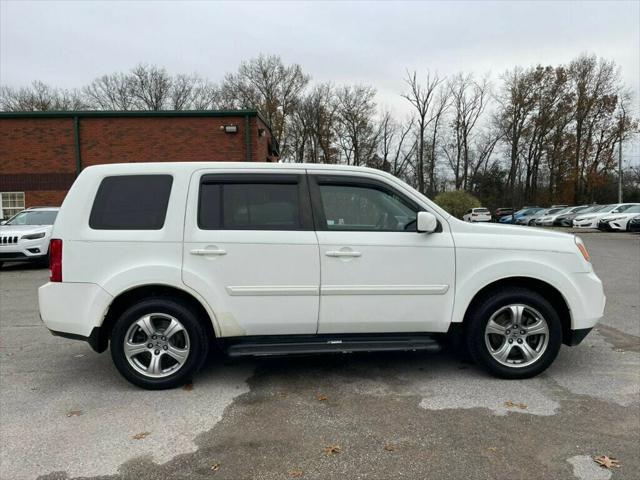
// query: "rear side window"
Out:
[131,202]
[250,206]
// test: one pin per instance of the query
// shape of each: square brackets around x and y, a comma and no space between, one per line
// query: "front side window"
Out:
[249,206]
[131,202]
[365,208]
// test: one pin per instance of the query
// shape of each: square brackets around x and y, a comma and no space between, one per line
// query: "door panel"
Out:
[386,280]
[258,282]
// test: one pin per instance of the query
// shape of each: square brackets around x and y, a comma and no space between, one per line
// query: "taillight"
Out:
[55,260]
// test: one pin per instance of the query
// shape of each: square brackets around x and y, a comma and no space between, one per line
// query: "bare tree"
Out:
[421,98]
[40,97]
[469,102]
[110,92]
[150,87]
[270,86]
[355,108]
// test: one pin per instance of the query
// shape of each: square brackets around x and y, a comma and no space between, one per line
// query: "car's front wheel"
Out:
[514,333]
[158,343]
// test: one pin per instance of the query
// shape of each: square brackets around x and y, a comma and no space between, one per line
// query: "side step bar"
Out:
[332,345]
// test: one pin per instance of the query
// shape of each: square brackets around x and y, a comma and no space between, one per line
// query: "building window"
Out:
[10,204]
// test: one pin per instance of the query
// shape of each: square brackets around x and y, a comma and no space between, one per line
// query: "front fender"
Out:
[474,276]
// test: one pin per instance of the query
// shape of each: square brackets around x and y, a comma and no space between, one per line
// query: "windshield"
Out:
[623,208]
[565,210]
[34,217]
[595,208]
[551,211]
[633,209]
[584,208]
[480,210]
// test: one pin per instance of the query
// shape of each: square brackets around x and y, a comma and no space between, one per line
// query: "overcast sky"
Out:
[67,44]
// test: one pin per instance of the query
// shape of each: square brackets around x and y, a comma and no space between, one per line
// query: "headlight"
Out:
[582,248]
[614,219]
[33,236]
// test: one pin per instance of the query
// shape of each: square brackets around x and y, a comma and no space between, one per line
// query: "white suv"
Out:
[26,235]
[162,261]
[477,215]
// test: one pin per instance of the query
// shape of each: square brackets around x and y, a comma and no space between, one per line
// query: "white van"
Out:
[162,261]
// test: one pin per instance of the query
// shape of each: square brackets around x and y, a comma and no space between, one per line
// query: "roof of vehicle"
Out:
[139,167]
[42,208]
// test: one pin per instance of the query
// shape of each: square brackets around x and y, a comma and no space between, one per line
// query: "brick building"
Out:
[41,153]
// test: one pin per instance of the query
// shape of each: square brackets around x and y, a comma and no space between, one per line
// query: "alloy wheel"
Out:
[156,345]
[516,335]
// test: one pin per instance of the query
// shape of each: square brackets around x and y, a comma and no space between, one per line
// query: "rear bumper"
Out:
[73,309]
[575,337]
[95,340]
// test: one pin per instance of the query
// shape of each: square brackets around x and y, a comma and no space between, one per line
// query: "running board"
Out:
[268,346]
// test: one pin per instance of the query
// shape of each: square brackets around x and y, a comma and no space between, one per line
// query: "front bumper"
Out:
[585,224]
[25,250]
[587,301]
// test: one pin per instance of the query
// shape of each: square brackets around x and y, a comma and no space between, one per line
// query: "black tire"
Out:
[491,304]
[1,264]
[198,340]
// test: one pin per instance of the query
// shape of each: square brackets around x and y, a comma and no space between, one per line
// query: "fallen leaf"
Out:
[296,473]
[188,387]
[492,449]
[389,447]
[320,397]
[141,436]
[74,413]
[215,467]
[606,462]
[332,450]
[510,404]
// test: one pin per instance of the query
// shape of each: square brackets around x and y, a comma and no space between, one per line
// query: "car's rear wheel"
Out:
[514,333]
[158,343]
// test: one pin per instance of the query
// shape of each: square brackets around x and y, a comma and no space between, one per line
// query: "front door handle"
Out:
[208,251]
[343,253]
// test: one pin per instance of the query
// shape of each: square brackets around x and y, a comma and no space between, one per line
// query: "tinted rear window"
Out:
[131,202]
[249,206]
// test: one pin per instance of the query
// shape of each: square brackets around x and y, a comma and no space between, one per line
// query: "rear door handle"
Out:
[341,253]
[208,251]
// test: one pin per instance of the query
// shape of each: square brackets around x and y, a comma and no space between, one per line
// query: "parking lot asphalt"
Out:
[65,412]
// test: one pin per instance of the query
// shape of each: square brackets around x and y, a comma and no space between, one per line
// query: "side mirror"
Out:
[427,222]
[3,222]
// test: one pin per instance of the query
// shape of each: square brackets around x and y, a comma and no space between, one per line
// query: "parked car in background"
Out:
[480,214]
[530,219]
[548,219]
[501,212]
[25,236]
[634,224]
[566,219]
[590,220]
[618,221]
[161,262]
[520,213]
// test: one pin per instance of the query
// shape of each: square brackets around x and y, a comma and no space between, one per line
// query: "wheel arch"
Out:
[548,291]
[128,297]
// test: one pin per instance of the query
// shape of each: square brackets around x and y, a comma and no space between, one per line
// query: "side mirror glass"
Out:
[427,222]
